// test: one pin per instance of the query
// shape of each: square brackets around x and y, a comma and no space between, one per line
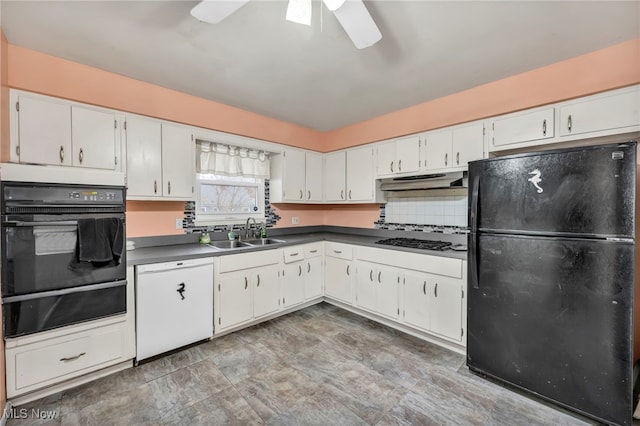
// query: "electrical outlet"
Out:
[295,220]
[178,223]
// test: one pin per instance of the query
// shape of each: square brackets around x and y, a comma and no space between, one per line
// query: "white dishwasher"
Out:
[174,305]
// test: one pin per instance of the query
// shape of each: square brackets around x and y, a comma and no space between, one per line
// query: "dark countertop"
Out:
[168,249]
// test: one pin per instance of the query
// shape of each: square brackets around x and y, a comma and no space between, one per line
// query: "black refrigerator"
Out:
[552,276]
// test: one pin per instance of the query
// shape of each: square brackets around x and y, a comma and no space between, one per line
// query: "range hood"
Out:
[433,181]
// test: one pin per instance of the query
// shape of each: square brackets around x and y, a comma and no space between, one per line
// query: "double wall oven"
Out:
[63,255]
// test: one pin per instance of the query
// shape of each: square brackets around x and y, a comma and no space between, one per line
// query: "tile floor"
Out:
[321,365]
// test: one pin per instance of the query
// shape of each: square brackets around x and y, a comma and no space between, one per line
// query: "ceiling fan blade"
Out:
[214,11]
[333,5]
[299,11]
[358,23]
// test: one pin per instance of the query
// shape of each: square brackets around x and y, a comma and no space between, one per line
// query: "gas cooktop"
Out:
[421,244]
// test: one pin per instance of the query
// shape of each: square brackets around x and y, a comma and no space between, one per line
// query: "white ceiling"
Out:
[314,76]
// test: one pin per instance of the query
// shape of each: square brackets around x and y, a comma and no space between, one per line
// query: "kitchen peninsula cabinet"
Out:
[52,131]
[160,160]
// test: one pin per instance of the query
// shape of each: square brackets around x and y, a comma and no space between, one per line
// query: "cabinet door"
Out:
[386,162]
[366,286]
[530,126]
[94,138]
[293,284]
[45,132]
[144,157]
[178,162]
[388,292]
[313,278]
[605,113]
[468,144]
[360,180]
[338,279]
[234,299]
[438,150]
[416,300]
[408,154]
[266,290]
[313,176]
[335,176]
[446,307]
[294,175]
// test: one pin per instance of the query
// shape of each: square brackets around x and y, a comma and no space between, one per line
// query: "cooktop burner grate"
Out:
[417,244]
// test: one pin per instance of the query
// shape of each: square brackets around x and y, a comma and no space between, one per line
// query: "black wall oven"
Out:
[63,255]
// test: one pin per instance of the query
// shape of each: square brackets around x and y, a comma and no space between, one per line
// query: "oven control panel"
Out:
[51,194]
[93,196]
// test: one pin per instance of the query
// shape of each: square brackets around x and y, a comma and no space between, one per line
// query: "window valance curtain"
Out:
[226,160]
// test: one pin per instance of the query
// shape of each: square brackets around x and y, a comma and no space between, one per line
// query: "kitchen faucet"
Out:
[246,226]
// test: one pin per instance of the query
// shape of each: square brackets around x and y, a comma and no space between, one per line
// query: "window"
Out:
[228,199]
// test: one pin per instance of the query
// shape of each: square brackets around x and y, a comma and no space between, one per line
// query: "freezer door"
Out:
[554,316]
[588,191]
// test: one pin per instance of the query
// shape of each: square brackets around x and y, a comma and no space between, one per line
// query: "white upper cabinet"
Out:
[93,135]
[51,131]
[438,149]
[527,126]
[400,156]
[160,160]
[335,176]
[144,157]
[360,181]
[453,147]
[178,162]
[617,110]
[296,177]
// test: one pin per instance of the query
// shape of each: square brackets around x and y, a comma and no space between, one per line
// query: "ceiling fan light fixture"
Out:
[333,5]
[358,23]
[214,11]
[299,11]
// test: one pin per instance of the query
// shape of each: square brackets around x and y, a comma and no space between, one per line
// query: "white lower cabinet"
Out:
[266,290]
[293,284]
[339,272]
[446,307]
[302,274]
[233,298]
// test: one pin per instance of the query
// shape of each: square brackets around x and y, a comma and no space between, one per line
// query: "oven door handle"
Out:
[19,223]
[53,293]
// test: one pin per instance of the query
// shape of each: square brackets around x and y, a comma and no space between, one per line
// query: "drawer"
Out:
[312,250]
[418,262]
[236,262]
[339,250]
[293,254]
[44,363]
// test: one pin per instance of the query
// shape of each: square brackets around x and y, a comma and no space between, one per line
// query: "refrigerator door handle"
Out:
[473,238]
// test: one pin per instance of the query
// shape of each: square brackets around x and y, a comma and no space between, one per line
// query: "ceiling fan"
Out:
[352,15]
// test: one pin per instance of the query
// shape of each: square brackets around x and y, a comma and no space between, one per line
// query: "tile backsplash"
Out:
[446,210]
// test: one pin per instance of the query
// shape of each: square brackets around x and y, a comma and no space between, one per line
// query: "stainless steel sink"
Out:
[264,241]
[228,244]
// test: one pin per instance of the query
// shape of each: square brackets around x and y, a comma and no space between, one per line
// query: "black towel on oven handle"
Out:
[100,240]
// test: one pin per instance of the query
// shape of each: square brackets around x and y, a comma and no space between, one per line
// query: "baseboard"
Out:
[5,413]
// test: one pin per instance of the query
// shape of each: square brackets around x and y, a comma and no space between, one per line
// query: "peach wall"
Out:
[74,81]
[308,215]
[148,218]
[605,69]
[357,215]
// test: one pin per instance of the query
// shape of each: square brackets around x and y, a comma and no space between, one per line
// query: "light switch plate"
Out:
[295,220]
[178,223]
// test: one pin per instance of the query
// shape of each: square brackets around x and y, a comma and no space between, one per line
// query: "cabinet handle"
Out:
[180,290]
[435,290]
[308,195]
[348,269]
[72,358]
[299,270]
[294,254]
[544,127]
[458,158]
[169,188]
[399,165]
[379,272]
[424,288]
[155,186]
[61,154]
[301,194]
[258,285]
[349,194]
[81,155]
[342,194]
[313,251]
[308,267]
[371,275]
[246,283]
[569,123]
[446,159]
[337,251]
[391,166]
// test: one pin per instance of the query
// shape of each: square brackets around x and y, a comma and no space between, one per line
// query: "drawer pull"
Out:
[313,251]
[72,358]
[337,251]
[294,254]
